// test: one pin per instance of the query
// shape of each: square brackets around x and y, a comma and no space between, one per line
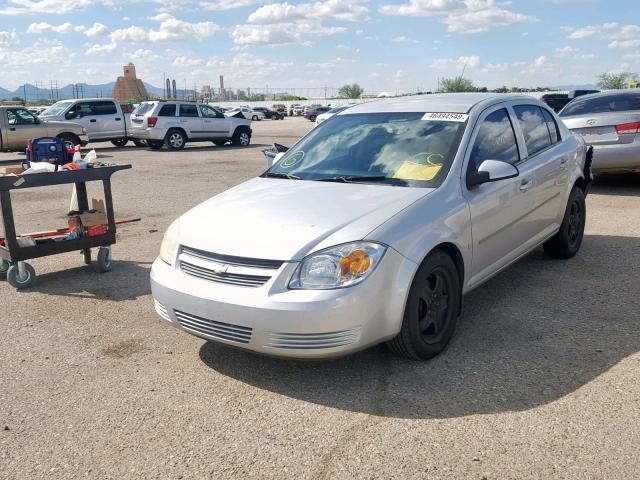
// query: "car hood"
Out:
[61,124]
[281,219]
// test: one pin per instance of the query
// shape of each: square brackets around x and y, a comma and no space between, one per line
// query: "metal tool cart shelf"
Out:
[12,256]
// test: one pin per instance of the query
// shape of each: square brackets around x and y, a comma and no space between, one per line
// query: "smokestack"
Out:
[221,84]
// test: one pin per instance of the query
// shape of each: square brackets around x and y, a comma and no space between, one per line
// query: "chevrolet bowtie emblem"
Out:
[219,268]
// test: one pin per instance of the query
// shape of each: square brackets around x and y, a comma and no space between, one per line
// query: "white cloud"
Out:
[565,51]
[331,64]
[403,39]
[282,34]
[100,49]
[67,27]
[589,30]
[342,10]
[625,43]
[97,30]
[228,4]
[619,36]
[171,29]
[459,63]
[8,39]
[460,16]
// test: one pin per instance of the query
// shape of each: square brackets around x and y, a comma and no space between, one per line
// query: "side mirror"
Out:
[491,171]
[71,114]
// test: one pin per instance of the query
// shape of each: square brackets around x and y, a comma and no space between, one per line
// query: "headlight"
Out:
[337,267]
[169,246]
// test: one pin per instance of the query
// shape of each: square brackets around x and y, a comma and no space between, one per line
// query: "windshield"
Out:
[56,109]
[391,148]
[620,102]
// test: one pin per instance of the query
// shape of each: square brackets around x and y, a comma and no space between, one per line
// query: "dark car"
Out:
[312,113]
[558,101]
[270,114]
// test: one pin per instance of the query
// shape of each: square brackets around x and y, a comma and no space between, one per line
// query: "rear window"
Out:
[534,128]
[104,108]
[143,108]
[168,111]
[620,102]
[552,126]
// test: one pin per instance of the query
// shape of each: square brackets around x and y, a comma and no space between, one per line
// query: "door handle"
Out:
[525,185]
[93,120]
[117,119]
[563,163]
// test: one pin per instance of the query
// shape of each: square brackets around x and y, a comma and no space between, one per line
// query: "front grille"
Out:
[226,278]
[308,341]
[231,260]
[161,310]
[211,328]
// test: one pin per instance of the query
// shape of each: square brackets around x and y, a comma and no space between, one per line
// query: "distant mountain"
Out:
[78,90]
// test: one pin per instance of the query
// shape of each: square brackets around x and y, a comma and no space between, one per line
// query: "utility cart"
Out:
[13,266]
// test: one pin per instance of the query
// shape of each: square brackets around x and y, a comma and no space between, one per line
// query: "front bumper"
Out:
[273,320]
[84,139]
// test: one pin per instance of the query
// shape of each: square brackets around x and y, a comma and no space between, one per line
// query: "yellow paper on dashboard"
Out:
[417,171]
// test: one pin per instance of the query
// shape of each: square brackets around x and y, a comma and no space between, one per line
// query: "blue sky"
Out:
[393,45]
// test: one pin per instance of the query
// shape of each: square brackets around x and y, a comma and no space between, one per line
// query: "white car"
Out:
[246,112]
[327,115]
[174,123]
[374,225]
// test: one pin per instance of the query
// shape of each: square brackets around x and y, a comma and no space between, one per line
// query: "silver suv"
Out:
[174,123]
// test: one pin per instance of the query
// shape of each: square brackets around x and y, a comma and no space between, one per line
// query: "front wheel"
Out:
[241,138]
[254,118]
[431,311]
[69,139]
[567,242]
[120,142]
[312,118]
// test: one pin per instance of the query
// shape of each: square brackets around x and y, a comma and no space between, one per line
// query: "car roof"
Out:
[439,102]
[609,93]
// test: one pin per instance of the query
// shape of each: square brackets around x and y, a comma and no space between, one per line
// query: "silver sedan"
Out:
[610,122]
[373,226]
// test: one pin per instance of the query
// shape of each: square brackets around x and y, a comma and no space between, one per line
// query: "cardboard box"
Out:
[12,170]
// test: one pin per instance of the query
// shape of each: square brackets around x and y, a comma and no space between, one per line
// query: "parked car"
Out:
[174,123]
[330,113]
[270,114]
[306,108]
[280,107]
[102,118]
[610,122]
[297,110]
[220,109]
[37,110]
[557,101]
[246,112]
[312,113]
[18,125]
[372,227]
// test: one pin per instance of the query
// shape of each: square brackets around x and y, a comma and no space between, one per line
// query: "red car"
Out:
[279,107]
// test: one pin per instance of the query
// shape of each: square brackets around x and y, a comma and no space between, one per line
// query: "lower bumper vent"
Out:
[211,328]
[308,341]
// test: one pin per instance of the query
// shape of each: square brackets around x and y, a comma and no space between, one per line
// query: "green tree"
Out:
[350,91]
[17,99]
[256,97]
[457,84]
[614,81]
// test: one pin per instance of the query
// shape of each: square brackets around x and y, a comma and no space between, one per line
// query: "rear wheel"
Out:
[254,118]
[312,118]
[241,138]
[431,311]
[567,242]
[120,142]
[155,144]
[175,140]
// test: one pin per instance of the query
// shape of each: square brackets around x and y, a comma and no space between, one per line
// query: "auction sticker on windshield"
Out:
[446,117]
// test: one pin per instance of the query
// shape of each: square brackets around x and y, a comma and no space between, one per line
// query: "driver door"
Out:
[23,126]
[499,218]
[214,123]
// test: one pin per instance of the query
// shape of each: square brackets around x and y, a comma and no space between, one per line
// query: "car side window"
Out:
[168,110]
[104,108]
[83,109]
[20,116]
[496,140]
[552,126]
[534,128]
[207,112]
[187,110]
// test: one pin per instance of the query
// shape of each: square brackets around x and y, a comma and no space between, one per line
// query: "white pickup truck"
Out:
[101,117]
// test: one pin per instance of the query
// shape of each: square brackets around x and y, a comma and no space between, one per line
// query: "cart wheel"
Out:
[4,266]
[21,281]
[104,259]
[86,254]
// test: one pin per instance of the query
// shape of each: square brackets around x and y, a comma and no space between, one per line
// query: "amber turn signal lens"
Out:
[355,264]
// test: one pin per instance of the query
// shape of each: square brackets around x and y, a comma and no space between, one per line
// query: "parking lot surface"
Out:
[540,381]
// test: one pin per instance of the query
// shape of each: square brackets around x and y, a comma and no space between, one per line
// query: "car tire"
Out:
[18,282]
[254,118]
[69,139]
[219,143]
[155,144]
[241,138]
[138,142]
[312,118]
[567,242]
[120,142]
[175,139]
[431,311]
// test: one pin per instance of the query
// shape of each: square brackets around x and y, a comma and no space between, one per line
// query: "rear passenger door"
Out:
[546,162]
[190,121]
[110,122]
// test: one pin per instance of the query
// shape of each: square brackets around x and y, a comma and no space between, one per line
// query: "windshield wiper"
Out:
[353,179]
[288,176]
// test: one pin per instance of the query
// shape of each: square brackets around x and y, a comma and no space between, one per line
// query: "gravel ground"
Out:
[541,380]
